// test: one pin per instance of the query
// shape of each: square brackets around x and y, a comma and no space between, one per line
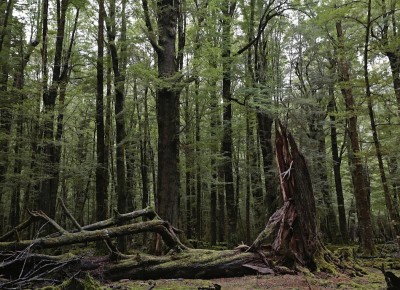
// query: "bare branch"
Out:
[151,35]
[53,223]
[69,214]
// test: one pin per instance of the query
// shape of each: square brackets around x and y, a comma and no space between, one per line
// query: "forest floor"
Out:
[374,280]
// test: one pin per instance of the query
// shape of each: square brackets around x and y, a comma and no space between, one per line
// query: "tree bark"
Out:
[199,179]
[361,194]
[336,166]
[6,108]
[18,85]
[156,226]
[393,214]
[214,124]
[293,228]
[226,145]
[118,66]
[167,103]
[102,166]
[192,264]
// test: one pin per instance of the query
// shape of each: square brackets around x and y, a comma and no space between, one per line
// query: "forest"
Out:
[198,139]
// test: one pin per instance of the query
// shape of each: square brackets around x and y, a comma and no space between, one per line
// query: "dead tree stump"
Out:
[293,228]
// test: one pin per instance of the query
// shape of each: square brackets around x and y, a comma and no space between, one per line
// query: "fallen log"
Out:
[189,264]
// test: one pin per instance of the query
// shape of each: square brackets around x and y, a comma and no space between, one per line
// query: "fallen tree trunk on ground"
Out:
[193,263]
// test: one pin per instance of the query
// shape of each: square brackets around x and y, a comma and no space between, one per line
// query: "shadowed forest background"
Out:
[125,104]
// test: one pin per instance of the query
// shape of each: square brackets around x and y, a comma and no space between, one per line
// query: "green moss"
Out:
[323,265]
[388,262]
[350,285]
[164,284]
[87,283]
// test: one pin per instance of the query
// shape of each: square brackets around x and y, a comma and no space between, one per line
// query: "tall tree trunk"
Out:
[101,168]
[79,188]
[62,88]
[259,214]
[360,187]
[226,145]
[18,84]
[168,185]
[330,215]
[119,83]
[189,176]
[199,185]
[336,166]
[167,115]
[49,186]
[144,156]
[254,184]
[6,108]
[389,34]
[132,148]
[108,125]
[393,215]
[264,130]
[248,178]
[214,124]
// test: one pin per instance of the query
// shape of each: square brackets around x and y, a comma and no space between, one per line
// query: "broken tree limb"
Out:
[24,269]
[69,215]
[148,212]
[41,215]
[157,226]
[17,229]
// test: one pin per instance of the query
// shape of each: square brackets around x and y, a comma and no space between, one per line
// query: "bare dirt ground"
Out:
[374,280]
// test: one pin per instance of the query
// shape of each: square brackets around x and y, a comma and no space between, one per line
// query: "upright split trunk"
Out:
[293,227]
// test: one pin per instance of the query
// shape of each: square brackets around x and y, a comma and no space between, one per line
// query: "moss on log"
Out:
[189,264]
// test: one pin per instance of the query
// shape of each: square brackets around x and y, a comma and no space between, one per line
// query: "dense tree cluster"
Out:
[127,104]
